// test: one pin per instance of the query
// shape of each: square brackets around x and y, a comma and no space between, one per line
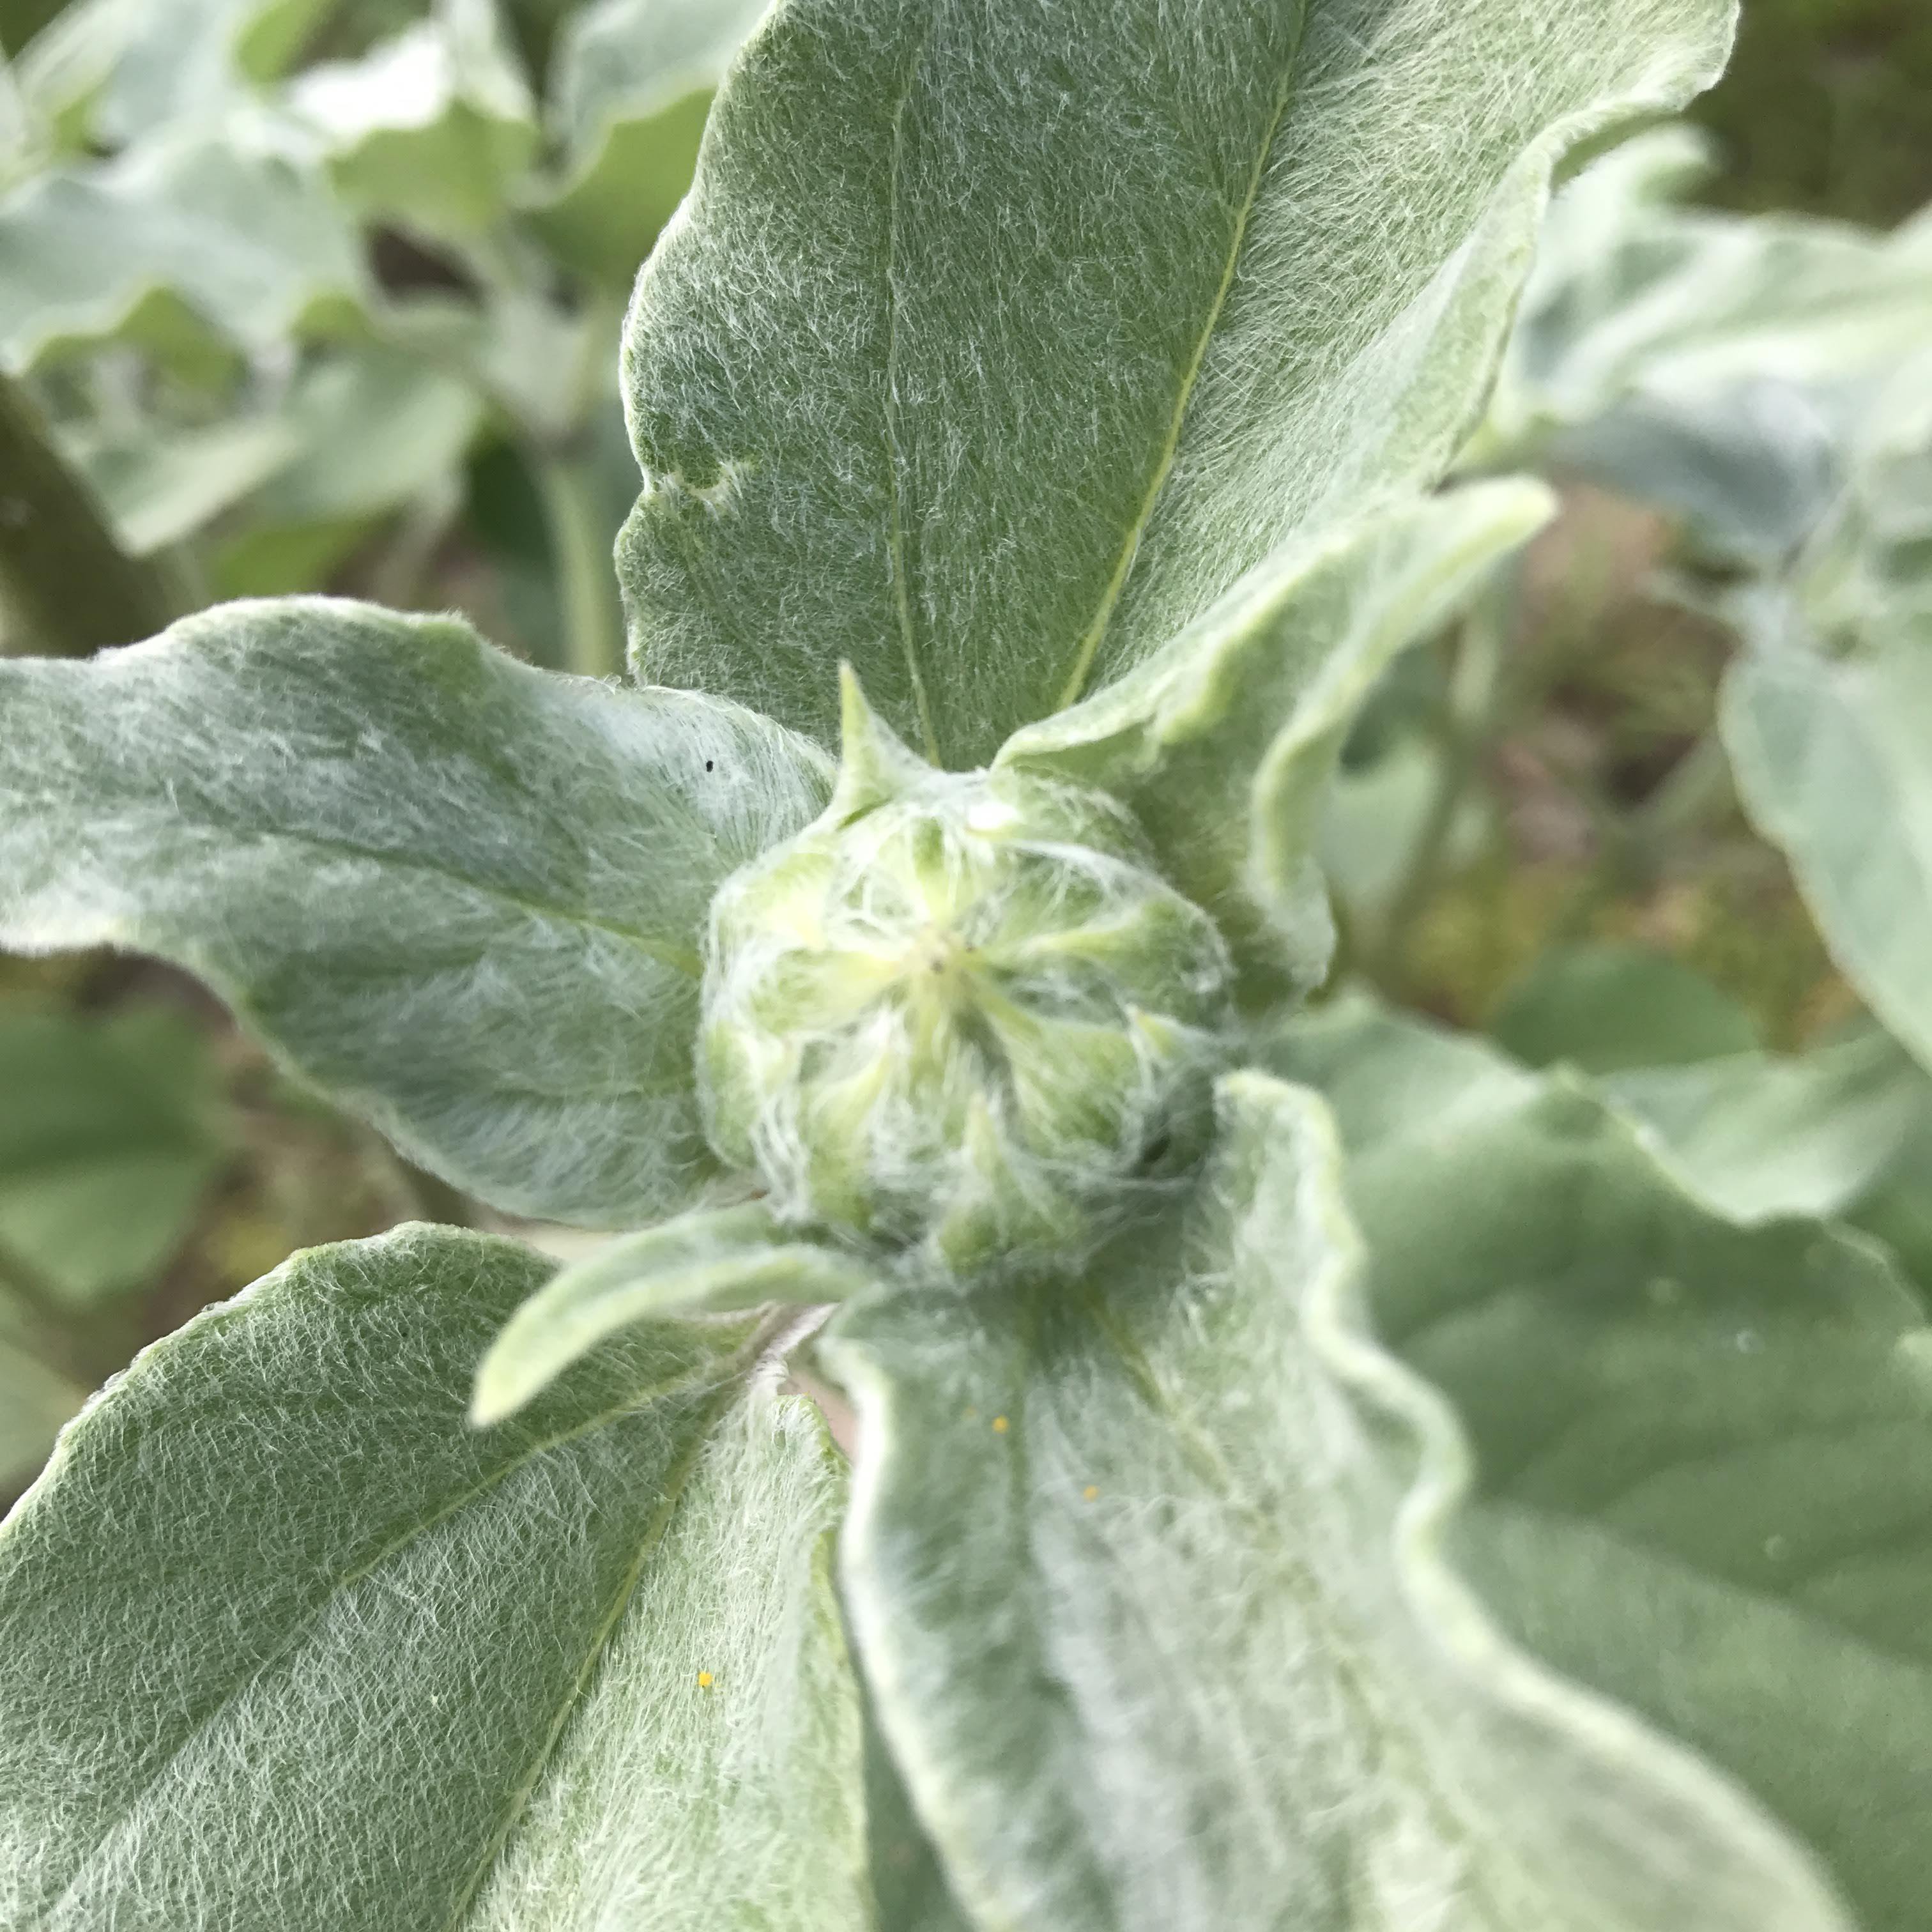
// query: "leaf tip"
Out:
[499,1394]
[874,765]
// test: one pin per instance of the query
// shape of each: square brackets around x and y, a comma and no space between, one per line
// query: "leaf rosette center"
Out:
[960,1012]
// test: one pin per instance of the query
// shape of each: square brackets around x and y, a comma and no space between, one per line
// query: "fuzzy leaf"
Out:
[908,1882]
[1704,1452]
[434,128]
[1864,581]
[1224,742]
[1760,1135]
[709,1261]
[1152,1578]
[1603,1007]
[1832,762]
[1702,362]
[1755,1136]
[242,244]
[462,896]
[989,369]
[110,1131]
[360,432]
[114,70]
[634,82]
[1375,816]
[1827,713]
[378,430]
[161,481]
[282,1642]
[1708,362]
[1633,291]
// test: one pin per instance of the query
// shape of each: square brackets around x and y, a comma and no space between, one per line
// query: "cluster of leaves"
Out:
[278,288]
[1492,1493]
[290,294]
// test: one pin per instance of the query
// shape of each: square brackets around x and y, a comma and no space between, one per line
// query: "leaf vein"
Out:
[894,453]
[1095,634]
[653,1536]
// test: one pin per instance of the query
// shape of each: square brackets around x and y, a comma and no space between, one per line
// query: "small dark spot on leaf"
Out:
[707,764]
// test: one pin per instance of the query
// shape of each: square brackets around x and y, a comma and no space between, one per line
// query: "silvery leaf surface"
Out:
[1224,743]
[711,1261]
[988,367]
[1703,1451]
[114,71]
[434,128]
[1826,713]
[463,897]
[632,84]
[1157,1579]
[283,1641]
[218,229]
[1712,364]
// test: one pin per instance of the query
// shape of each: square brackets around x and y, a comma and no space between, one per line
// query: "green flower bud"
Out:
[960,1012]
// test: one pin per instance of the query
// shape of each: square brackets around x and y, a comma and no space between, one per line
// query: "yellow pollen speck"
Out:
[999,1425]
[1092,1490]
[704,1680]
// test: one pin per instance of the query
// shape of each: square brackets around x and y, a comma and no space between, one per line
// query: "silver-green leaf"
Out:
[1761,1135]
[462,896]
[1703,1451]
[1153,1580]
[633,84]
[283,1642]
[111,1131]
[1833,758]
[434,128]
[987,364]
[215,233]
[1223,743]
[1707,362]
[1603,1006]
[116,70]
[709,1262]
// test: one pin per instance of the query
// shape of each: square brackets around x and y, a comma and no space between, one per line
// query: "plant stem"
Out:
[593,628]
[69,587]
[1468,724]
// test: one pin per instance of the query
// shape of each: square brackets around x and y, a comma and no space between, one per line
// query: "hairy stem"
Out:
[67,586]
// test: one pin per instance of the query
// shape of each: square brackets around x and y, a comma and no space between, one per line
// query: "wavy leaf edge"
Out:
[1334,1318]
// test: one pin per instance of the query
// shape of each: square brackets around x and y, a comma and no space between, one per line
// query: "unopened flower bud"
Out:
[959,1011]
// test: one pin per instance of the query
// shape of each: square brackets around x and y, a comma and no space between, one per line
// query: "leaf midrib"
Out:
[621,1599]
[1095,634]
[680,959]
[901,587]
[1393,1740]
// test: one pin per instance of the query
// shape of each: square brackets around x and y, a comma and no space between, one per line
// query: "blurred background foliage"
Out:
[324,295]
